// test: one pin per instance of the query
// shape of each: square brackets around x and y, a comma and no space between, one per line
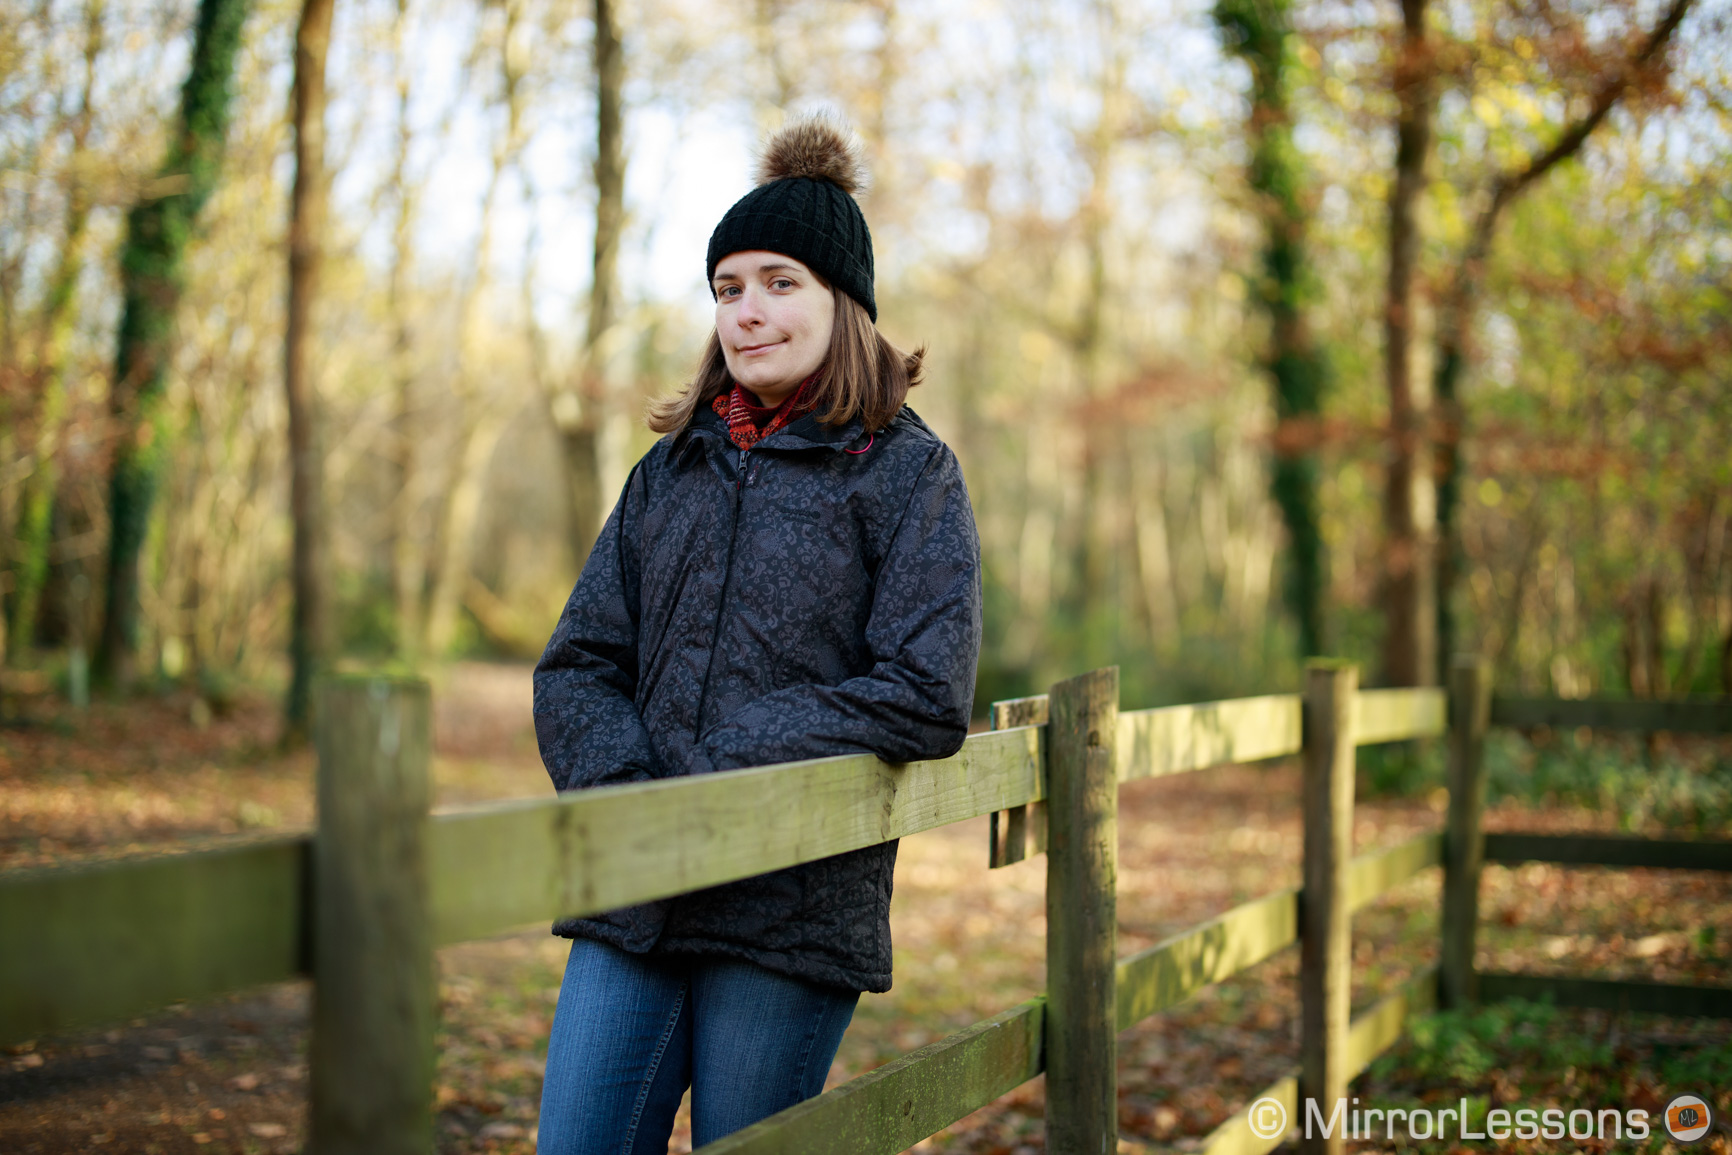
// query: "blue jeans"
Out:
[632,1032]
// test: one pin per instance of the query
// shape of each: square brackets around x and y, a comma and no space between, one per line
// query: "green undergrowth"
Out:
[1678,787]
[1518,1054]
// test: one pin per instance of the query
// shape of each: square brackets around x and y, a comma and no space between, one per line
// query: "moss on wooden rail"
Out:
[98,942]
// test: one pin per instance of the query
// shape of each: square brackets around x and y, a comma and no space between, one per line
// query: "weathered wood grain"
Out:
[1325,946]
[1609,994]
[1713,716]
[892,1108]
[498,867]
[1009,831]
[1008,713]
[88,944]
[1464,841]
[372,1052]
[1170,972]
[1611,850]
[1396,715]
[1081,915]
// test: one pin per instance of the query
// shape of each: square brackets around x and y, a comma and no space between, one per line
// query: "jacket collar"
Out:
[803,433]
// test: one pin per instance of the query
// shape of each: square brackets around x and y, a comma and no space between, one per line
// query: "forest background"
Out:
[1261,330]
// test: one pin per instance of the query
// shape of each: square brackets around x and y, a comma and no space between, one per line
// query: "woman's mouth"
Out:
[754,350]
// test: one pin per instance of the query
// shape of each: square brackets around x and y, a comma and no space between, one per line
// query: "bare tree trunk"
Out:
[1635,646]
[462,512]
[308,641]
[408,562]
[1409,637]
[36,500]
[576,414]
[1455,317]
[1726,664]
[1154,556]
[152,267]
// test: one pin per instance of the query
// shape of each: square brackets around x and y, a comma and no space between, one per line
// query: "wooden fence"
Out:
[362,904]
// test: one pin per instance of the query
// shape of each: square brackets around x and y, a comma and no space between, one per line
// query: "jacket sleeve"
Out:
[924,635]
[586,718]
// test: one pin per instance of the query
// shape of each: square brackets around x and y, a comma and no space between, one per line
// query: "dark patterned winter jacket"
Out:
[745,608]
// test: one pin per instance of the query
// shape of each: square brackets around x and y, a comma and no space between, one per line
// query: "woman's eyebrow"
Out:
[730,275]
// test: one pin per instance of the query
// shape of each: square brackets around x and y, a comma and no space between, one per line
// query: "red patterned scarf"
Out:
[749,422]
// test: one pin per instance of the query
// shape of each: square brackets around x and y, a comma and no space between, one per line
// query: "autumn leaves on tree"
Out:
[1382,332]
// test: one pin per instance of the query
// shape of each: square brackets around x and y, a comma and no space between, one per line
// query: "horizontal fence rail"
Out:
[1611,850]
[1677,717]
[500,867]
[205,922]
[1169,972]
[1177,739]
[1462,983]
[892,1108]
[1395,715]
[1609,994]
[102,941]
[1371,1033]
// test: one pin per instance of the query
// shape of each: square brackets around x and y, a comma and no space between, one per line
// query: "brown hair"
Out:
[863,376]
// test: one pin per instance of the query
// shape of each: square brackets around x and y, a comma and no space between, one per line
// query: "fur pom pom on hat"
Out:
[816,148]
[804,208]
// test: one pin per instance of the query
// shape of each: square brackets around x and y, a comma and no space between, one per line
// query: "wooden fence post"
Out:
[1082,915]
[1325,942]
[374,1009]
[1010,831]
[1464,841]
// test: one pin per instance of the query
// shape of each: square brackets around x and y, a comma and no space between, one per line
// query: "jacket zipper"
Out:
[722,602]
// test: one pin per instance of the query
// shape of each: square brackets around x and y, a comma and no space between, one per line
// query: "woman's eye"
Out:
[781,283]
[728,291]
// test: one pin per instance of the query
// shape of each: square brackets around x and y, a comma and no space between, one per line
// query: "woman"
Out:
[791,572]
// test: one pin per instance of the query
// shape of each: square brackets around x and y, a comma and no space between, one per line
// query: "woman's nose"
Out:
[750,310]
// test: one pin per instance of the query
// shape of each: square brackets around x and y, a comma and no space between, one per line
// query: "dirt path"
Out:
[229,1076]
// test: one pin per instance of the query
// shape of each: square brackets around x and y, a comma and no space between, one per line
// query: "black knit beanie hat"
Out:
[804,208]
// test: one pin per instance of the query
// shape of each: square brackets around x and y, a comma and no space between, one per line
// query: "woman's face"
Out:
[773,318]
